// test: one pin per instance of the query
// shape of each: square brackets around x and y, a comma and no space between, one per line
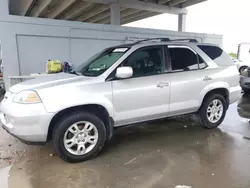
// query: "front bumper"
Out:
[245,82]
[27,122]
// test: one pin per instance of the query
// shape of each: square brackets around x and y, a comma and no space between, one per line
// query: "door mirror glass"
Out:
[124,72]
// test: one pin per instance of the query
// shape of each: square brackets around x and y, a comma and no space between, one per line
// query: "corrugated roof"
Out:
[97,11]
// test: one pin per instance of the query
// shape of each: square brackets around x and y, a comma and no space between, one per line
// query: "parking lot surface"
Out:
[165,153]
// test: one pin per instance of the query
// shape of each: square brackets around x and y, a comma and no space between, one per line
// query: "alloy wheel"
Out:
[215,111]
[80,138]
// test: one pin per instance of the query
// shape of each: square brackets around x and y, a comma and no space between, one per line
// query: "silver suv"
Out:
[126,84]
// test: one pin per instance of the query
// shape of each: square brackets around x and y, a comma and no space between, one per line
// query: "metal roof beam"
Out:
[103,20]
[176,2]
[64,4]
[131,16]
[128,12]
[150,14]
[191,2]
[98,17]
[40,7]
[97,10]
[125,14]
[144,6]
[152,7]
[103,15]
[162,1]
[76,10]
[134,16]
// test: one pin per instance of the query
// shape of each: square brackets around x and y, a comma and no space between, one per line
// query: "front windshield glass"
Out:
[101,62]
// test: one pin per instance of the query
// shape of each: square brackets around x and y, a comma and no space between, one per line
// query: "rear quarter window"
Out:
[217,55]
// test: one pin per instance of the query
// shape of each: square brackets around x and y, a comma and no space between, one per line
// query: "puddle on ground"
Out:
[144,157]
[164,153]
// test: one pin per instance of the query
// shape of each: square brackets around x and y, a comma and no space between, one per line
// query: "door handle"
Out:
[162,85]
[207,78]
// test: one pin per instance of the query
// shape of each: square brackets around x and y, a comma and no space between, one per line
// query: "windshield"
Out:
[101,62]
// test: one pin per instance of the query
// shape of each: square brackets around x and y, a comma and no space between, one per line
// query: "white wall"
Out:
[27,43]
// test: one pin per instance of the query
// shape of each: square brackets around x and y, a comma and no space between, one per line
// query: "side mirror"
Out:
[124,72]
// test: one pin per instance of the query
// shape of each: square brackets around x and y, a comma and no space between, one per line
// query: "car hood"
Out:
[49,81]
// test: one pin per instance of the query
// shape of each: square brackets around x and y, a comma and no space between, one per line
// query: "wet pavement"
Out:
[164,153]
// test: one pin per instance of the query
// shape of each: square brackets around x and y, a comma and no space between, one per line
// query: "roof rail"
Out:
[186,39]
[162,39]
[149,39]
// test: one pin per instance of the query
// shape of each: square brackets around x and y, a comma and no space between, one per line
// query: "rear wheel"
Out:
[79,137]
[212,111]
[246,91]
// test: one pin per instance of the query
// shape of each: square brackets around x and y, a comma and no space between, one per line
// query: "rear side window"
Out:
[217,55]
[184,59]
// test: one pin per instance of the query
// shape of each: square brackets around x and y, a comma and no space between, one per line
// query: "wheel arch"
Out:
[242,68]
[96,109]
[221,90]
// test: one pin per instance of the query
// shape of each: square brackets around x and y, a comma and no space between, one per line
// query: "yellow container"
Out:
[53,66]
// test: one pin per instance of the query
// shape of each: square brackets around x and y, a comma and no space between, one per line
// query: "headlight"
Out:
[27,97]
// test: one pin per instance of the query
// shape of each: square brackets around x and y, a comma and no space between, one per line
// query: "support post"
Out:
[238,52]
[4,8]
[182,22]
[115,17]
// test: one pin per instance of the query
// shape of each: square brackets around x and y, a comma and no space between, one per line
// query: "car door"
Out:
[187,79]
[144,96]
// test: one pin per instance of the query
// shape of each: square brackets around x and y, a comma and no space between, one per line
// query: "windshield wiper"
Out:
[76,73]
[93,73]
[89,74]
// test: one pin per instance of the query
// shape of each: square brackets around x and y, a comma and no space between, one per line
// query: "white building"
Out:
[33,31]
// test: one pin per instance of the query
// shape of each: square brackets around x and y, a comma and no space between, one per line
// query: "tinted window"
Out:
[217,55]
[146,61]
[183,59]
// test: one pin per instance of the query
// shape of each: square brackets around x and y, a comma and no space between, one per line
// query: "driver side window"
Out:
[146,61]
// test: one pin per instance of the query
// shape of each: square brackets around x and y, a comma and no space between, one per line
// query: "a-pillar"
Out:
[115,16]
[182,22]
[4,8]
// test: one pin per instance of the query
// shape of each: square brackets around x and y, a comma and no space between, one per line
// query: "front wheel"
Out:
[79,136]
[212,111]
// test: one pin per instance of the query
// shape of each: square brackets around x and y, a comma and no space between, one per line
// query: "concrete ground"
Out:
[165,153]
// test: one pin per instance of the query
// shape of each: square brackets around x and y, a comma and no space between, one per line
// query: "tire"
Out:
[62,129]
[241,69]
[246,91]
[202,113]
